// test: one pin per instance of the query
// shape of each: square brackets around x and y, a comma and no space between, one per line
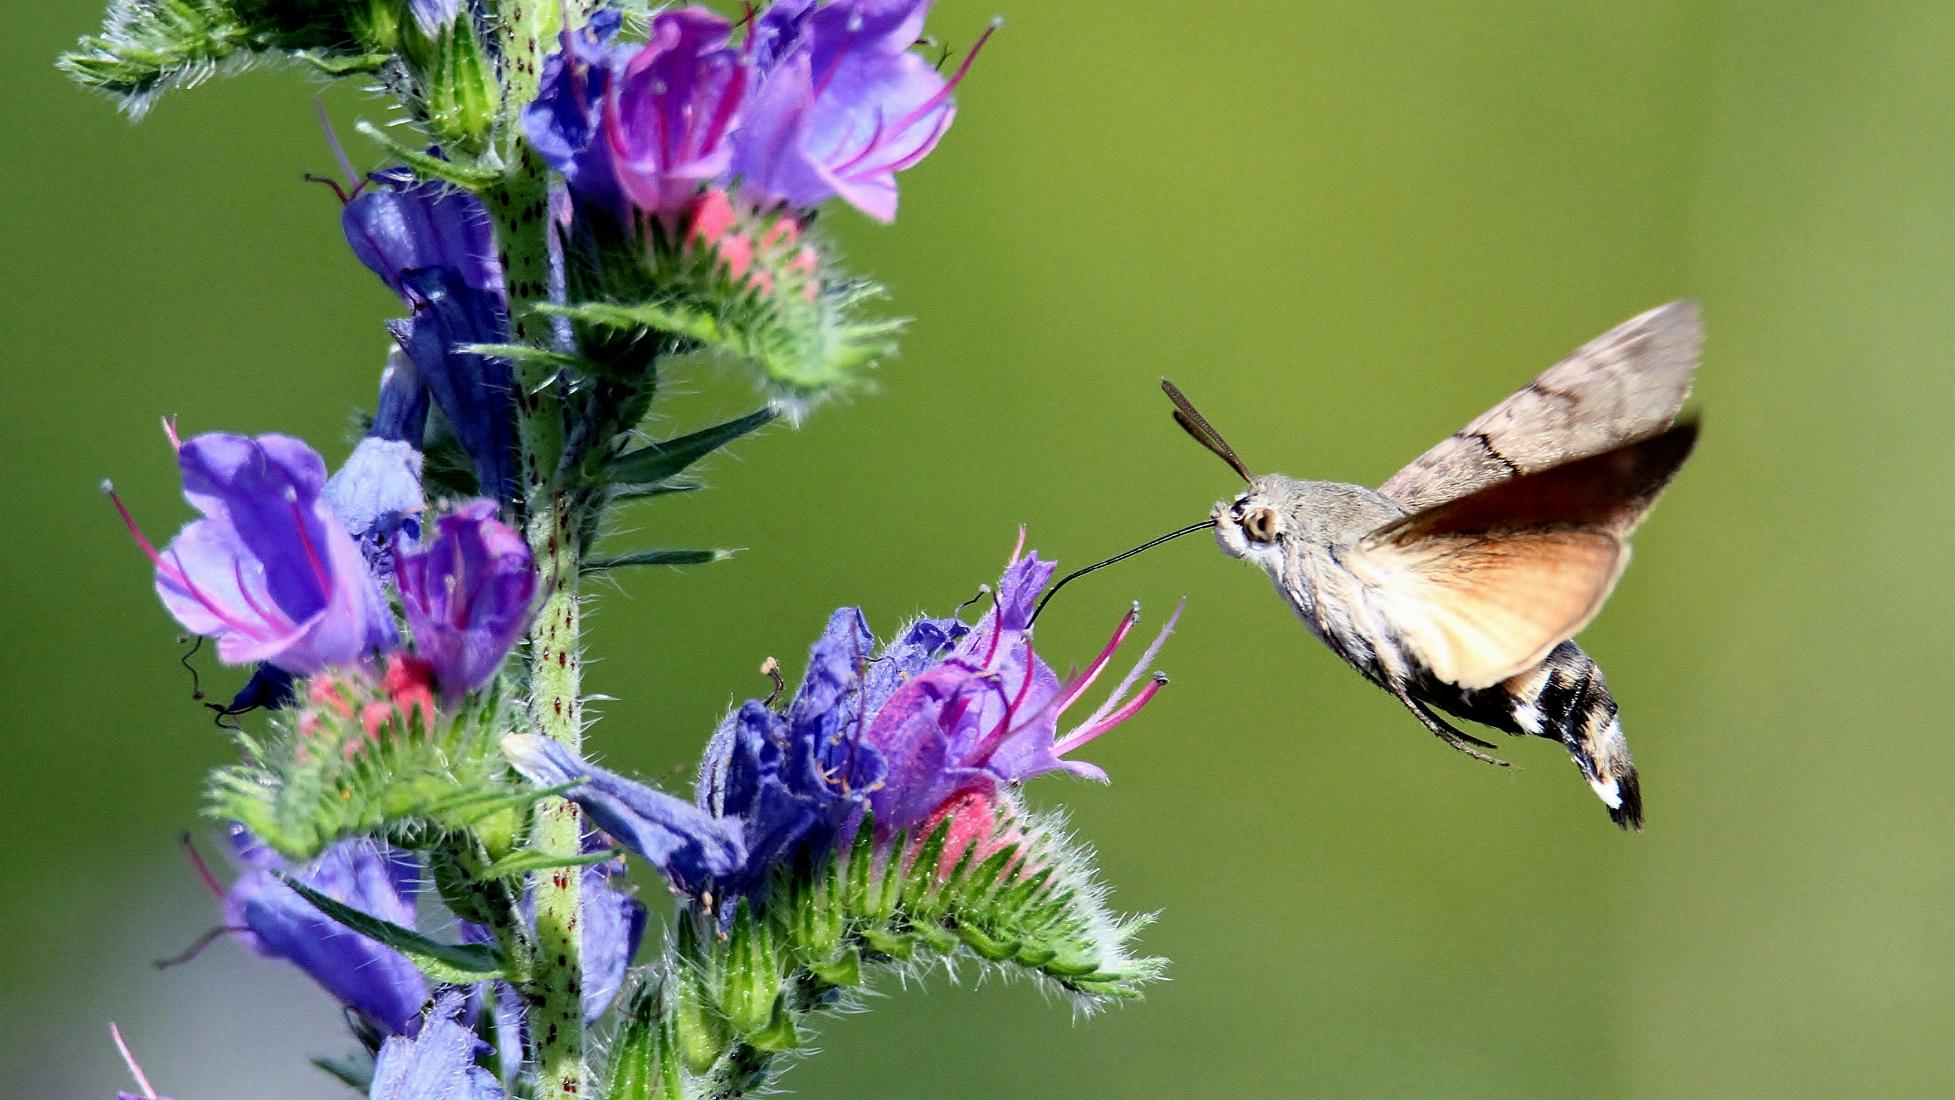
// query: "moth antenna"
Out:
[1197,425]
[1120,557]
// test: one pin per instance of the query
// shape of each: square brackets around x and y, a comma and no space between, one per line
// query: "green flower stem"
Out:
[554,521]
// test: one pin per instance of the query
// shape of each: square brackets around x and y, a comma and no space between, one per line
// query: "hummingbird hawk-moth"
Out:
[1458,584]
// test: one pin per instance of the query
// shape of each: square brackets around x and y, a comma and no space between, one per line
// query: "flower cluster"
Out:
[820,100]
[274,569]
[939,724]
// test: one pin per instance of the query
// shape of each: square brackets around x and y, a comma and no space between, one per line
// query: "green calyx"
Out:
[349,762]
[740,996]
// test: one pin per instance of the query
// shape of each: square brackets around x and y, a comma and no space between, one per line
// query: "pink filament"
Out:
[129,1060]
[1085,734]
[1079,686]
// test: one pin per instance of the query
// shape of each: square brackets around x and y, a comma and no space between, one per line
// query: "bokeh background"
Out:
[1346,228]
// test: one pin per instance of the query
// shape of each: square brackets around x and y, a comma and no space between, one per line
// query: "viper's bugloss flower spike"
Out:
[432,244]
[376,981]
[844,103]
[270,571]
[467,592]
[439,1063]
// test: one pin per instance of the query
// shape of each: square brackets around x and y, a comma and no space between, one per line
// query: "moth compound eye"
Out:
[1260,524]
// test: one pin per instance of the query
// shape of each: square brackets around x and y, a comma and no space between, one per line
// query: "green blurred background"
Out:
[1344,227]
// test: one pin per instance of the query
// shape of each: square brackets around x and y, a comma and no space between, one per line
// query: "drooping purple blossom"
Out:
[270,571]
[438,1063]
[466,591]
[942,718]
[843,105]
[376,981]
[432,245]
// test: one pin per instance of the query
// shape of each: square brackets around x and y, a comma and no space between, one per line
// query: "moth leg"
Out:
[1443,730]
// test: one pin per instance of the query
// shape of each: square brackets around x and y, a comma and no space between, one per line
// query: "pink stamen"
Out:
[128,1059]
[169,429]
[950,85]
[909,159]
[999,735]
[730,97]
[311,551]
[1140,667]
[175,573]
[129,521]
[1087,733]
[202,868]
[1079,685]
[353,181]
[869,146]
[278,622]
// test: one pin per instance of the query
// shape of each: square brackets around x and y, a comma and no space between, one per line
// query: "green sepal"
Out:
[426,166]
[460,97]
[885,942]
[316,776]
[844,970]
[698,1025]
[448,963]
[602,562]
[655,462]
[644,1058]
[779,1035]
[750,974]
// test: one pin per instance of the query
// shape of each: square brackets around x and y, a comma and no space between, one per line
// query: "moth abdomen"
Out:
[1565,698]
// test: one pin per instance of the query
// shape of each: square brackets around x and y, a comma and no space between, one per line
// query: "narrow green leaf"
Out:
[357,1076]
[426,166]
[654,557]
[657,461]
[450,963]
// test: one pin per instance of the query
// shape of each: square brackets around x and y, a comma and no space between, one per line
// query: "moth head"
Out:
[1253,525]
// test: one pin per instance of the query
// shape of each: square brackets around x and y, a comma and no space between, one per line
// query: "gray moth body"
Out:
[1458,585]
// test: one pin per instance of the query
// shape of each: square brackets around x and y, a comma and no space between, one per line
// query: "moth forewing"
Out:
[1611,491]
[1625,384]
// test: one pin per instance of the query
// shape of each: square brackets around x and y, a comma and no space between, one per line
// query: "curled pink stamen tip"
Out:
[1085,680]
[202,868]
[1133,706]
[128,1059]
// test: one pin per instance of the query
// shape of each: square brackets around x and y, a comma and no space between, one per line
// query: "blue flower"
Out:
[466,592]
[432,244]
[438,1063]
[937,723]
[844,104]
[563,124]
[376,981]
[270,571]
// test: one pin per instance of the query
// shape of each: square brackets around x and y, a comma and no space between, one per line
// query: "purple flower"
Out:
[843,104]
[820,100]
[438,1063]
[269,571]
[936,723]
[688,845]
[669,114]
[563,123]
[433,246]
[466,591]
[376,981]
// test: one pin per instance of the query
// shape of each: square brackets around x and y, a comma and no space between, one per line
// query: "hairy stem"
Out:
[553,515]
